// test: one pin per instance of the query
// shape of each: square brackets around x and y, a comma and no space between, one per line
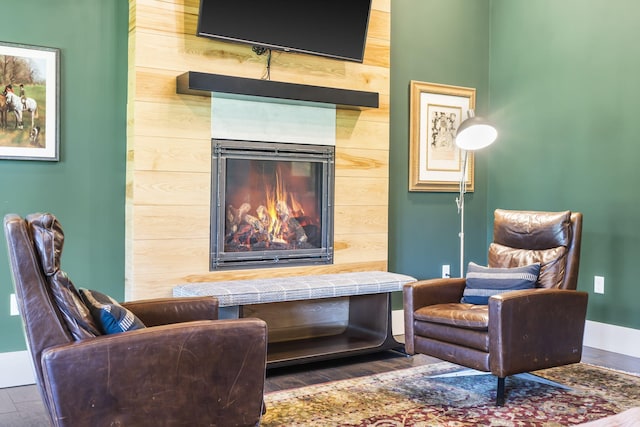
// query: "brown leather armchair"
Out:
[518,331]
[185,368]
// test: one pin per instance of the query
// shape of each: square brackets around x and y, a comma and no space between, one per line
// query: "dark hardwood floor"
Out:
[341,369]
[22,407]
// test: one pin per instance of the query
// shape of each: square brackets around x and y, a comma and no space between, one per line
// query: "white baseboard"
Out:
[617,339]
[16,369]
[397,322]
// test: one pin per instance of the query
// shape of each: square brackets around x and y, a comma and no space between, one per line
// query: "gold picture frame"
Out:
[435,163]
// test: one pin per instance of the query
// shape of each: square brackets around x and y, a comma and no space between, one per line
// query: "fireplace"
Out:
[271,204]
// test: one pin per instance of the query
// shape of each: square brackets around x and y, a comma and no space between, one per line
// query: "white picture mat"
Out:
[432,168]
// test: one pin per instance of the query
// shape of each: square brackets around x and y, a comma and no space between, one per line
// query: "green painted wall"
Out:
[86,188]
[564,92]
[445,42]
[562,80]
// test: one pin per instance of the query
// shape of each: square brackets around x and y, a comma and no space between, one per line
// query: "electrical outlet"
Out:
[13,305]
[446,270]
[598,284]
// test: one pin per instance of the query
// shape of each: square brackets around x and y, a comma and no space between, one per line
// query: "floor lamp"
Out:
[473,134]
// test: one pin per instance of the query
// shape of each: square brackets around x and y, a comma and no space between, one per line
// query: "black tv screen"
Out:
[331,28]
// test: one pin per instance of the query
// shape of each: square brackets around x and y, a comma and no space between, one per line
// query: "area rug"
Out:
[441,395]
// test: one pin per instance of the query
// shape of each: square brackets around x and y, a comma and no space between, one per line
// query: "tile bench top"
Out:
[261,291]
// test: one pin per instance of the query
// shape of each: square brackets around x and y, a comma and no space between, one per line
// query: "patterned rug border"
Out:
[440,367]
[444,393]
[619,371]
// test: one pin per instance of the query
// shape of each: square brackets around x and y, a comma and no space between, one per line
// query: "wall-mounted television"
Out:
[331,28]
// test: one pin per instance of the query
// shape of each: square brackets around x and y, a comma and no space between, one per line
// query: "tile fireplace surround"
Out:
[278,130]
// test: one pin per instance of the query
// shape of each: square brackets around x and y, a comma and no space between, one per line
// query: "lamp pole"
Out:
[472,134]
[460,203]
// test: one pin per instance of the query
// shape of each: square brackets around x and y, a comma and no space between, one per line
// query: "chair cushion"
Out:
[111,316]
[462,315]
[552,262]
[48,239]
[532,230]
[483,282]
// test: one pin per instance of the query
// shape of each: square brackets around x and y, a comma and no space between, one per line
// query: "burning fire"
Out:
[280,212]
[275,222]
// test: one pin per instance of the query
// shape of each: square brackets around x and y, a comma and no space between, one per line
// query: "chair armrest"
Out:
[536,329]
[196,373]
[164,311]
[433,291]
[427,292]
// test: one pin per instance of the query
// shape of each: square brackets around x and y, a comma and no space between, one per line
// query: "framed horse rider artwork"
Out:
[29,102]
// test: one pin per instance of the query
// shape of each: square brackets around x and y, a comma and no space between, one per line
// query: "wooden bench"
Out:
[315,317]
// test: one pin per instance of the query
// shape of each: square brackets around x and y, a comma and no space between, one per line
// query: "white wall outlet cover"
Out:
[598,284]
[446,270]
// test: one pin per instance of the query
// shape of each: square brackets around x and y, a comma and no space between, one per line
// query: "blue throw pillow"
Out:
[110,316]
[483,282]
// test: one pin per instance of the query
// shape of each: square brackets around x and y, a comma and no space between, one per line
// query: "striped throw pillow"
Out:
[110,316]
[483,282]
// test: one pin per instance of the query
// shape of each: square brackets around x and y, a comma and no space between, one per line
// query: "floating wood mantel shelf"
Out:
[196,83]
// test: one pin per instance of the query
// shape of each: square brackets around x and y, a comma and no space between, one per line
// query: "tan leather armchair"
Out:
[185,368]
[518,331]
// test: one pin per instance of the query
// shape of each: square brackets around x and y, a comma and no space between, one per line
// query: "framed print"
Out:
[29,102]
[435,163]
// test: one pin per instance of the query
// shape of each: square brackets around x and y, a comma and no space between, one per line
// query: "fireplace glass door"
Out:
[272,204]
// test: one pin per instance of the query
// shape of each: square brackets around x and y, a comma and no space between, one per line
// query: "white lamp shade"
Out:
[475,133]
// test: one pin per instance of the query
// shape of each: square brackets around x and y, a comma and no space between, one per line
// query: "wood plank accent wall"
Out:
[169,148]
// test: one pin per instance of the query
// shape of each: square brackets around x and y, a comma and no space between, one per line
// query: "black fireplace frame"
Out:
[224,149]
